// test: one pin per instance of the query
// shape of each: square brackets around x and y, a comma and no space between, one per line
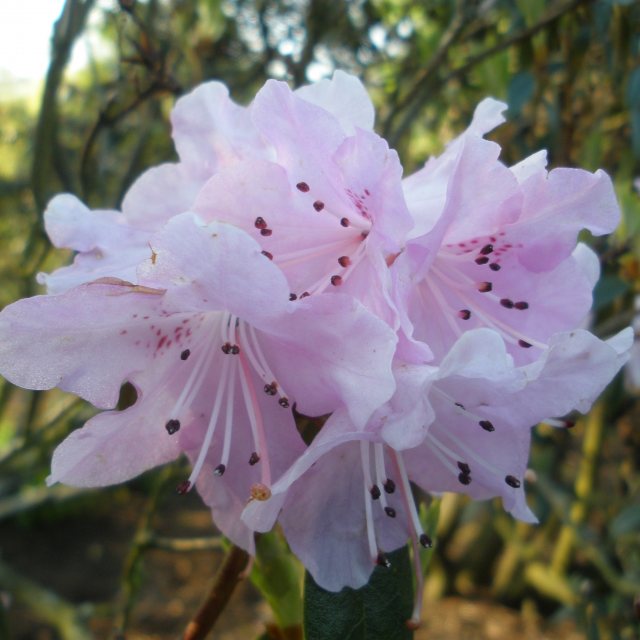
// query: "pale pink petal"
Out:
[87,341]
[210,130]
[214,267]
[342,355]
[116,446]
[345,97]
[160,193]
[108,246]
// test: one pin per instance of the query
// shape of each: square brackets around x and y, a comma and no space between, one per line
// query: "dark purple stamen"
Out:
[344,261]
[464,314]
[389,485]
[512,482]
[345,222]
[185,354]
[318,205]
[173,426]
[459,404]
[464,467]
[484,287]
[183,487]
[464,478]
[226,347]
[260,223]
[487,425]
[375,492]
[271,389]
[235,350]
[426,541]
[284,402]
[219,470]
[254,459]
[336,281]
[268,255]
[487,249]
[522,305]
[383,561]
[305,294]
[292,297]
[506,303]
[302,186]
[265,232]
[494,266]
[390,512]
[482,260]
[524,344]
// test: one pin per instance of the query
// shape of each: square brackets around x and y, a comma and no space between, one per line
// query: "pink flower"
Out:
[347,500]
[496,246]
[328,206]
[217,353]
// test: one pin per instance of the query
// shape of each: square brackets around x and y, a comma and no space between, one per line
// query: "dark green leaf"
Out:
[607,290]
[377,611]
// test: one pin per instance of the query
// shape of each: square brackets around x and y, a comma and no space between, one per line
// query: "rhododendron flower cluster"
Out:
[285,262]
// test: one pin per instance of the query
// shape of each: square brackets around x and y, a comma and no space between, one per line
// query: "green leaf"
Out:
[377,611]
[627,521]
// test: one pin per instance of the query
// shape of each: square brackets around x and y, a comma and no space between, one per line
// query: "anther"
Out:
[219,470]
[226,347]
[464,478]
[512,482]
[383,561]
[389,485]
[265,232]
[260,492]
[345,222]
[375,492]
[254,459]
[482,260]
[344,261]
[271,389]
[484,287]
[426,541]
[336,281]
[302,186]
[235,349]
[284,402]
[464,314]
[524,344]
[173,426]
[318,205]
[487,425]
[464,467]
[185,354]
[260,223]
[494,266]
[506,303]
[522,305]
[459,405]
[292,297]
[268,255]
[305,294]
[183,487]
[390,512]
[487,249]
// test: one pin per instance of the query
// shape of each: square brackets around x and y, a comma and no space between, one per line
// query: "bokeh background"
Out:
[84,104]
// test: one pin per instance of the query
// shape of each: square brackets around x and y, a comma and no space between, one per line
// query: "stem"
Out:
[594,433]
[224,584]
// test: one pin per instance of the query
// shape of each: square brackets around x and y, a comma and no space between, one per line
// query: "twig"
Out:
[67,28]
[225,582]
[183,545]
[462,70]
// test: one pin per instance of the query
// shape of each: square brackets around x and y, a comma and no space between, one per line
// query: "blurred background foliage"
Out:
[79,564]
